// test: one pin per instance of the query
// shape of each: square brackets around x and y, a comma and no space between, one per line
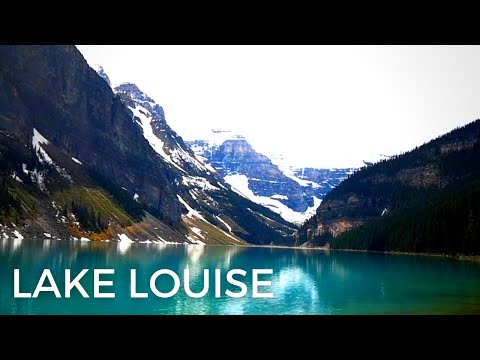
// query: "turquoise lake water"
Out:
[303,281]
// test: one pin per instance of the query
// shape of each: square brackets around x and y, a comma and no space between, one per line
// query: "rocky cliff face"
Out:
[327,179]
[294,194]
[109,163]
[53,90]
[265,179]
[254,176]
[161,137]
[410,181]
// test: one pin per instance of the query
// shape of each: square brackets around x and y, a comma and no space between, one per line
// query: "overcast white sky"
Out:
[324,106]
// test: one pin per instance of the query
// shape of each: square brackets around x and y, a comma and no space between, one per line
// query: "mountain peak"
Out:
[130,92]
[101,72]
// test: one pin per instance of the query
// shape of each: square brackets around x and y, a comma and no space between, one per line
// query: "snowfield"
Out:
[239,184]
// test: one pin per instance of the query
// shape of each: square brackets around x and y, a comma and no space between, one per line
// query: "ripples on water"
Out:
[303,281]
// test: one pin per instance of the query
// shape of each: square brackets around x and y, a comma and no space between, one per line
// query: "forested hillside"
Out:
[426,200]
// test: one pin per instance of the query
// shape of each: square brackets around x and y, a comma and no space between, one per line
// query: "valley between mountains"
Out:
[82,159]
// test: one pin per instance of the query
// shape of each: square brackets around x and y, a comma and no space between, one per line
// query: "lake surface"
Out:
[303,281]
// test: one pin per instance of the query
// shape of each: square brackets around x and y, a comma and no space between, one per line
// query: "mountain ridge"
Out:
[253,175]
[378,206]
[86,159]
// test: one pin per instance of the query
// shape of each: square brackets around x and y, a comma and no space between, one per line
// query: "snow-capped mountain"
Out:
[82,160]
[293,193]
[163,139]
[198,176]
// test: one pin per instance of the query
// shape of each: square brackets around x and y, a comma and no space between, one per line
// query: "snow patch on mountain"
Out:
[225,223]
[125,238]
[39,176]
[191,211]
[18,236]
[145,122]
[289,171]
[205,163]
[77,161]
[179,155]
[15,177]
[279,197]
[239,184]
[194,241]
[194,213]
[198,182]
[37,141]
[197,232]
[304,183]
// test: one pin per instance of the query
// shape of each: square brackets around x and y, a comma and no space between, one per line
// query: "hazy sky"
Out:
[326,106]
